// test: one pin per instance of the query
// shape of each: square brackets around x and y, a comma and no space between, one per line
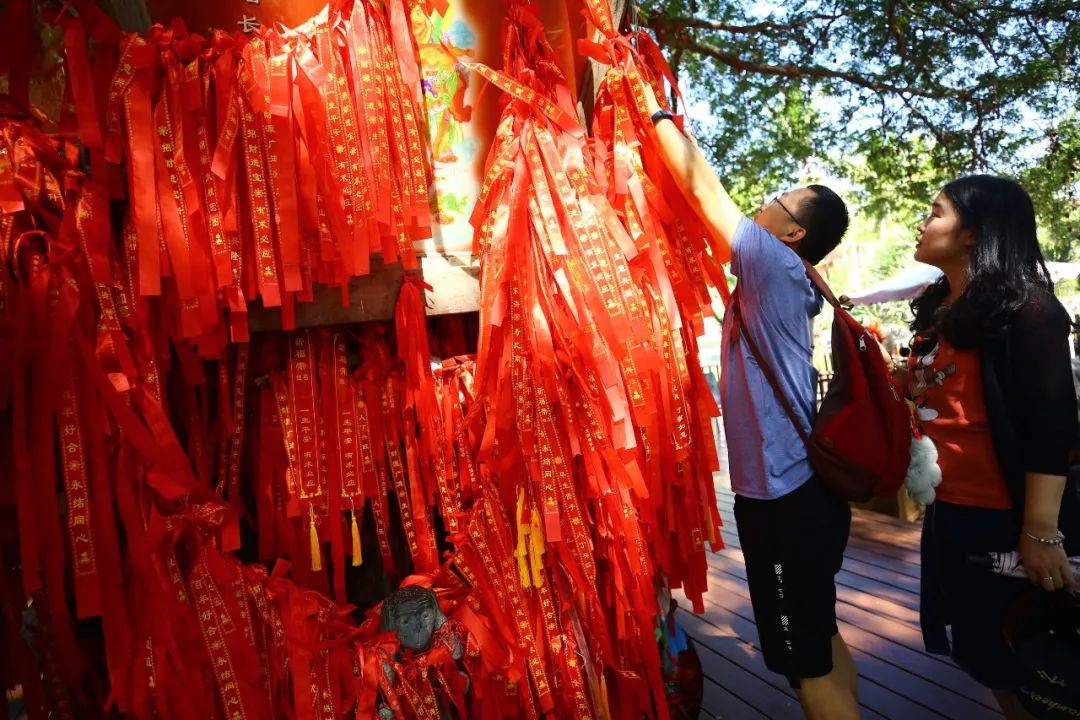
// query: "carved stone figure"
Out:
[412,613]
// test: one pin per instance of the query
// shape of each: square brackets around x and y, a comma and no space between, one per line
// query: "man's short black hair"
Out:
[825,218]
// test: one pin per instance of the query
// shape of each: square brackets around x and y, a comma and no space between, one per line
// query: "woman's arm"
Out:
[1045,428]
[1042,560]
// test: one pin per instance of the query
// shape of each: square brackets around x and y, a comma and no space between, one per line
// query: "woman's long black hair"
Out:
[1006,263]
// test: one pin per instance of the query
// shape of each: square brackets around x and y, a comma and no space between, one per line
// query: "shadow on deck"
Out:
[878,615]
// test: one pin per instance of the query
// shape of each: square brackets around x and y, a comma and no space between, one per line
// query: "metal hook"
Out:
[635,26]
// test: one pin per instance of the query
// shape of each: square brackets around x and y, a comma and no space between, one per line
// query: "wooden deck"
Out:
[878,614]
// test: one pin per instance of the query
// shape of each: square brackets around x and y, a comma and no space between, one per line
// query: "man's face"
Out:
[780,216]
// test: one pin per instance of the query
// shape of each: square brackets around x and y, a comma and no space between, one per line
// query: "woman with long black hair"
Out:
[990,376]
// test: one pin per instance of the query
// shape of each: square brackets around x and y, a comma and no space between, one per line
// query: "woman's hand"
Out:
[1046,565]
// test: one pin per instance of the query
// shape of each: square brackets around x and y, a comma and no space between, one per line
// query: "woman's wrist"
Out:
[1044,535]
[1040,524]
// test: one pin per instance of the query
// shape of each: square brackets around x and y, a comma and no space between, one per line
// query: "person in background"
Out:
[1076,335]
[990,375]
[793,532]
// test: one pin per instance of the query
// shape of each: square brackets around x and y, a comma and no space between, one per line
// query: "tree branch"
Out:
[934,130]
[678,24]
[789,70]
[676,60]
[890,19]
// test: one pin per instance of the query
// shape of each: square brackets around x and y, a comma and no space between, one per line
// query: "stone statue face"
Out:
[415,624]
[412,613]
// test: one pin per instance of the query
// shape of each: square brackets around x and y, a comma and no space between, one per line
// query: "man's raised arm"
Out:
[695,177]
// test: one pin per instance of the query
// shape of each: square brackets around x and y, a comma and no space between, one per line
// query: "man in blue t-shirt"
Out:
[792,531]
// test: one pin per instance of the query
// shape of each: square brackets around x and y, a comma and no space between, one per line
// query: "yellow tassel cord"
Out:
[357,558]
[316,548]
[536,549]
[714,539]
[522,549]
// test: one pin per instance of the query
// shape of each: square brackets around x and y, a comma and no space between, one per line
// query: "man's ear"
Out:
[794,237]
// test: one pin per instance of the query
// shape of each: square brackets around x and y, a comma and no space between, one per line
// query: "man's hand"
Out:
[695,177]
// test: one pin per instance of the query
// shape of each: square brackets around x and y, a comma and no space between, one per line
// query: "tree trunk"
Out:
[594,71]
[130,15]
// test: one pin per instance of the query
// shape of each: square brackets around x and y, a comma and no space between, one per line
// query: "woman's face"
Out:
[942,241]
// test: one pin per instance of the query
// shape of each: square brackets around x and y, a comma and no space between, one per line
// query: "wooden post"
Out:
[455,282]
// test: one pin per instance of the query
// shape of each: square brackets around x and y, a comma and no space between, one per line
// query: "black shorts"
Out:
[793,547]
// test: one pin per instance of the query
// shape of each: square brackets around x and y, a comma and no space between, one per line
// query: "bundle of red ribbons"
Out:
[598,438]
[140,538]
[677,261]
[259,166]
[342,420]
[544,489]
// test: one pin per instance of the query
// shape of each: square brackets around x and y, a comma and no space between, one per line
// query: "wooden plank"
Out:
[906,535]
[888,556]
[930,669]
[875,698]
[869,552]
[899,523]
[903,556]
[855,589]
[877,611]
[894,642]
[870,548]
[906,558]
[371,297]
[717,702]
[889,524]
[858,551]
[867,595]
[737,666]
[746,651]
[902,589]
[455,279]
[890,521]
[931,698]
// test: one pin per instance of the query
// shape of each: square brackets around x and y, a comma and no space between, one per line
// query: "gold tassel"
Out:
[536,549]
[522,549]
[316,549]
[357,558]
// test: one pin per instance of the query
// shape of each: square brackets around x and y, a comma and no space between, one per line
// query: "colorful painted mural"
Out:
[446,43]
